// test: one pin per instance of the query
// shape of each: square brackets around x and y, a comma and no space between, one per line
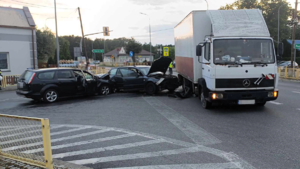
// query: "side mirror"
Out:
[280,49]
[198,50]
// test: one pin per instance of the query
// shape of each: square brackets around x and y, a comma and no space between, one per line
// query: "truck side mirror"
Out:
[280,49]
[199,50]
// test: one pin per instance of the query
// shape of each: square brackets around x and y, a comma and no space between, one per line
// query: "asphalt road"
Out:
[134,130]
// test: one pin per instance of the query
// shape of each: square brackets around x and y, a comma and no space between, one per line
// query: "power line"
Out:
[163,30]
[35,5]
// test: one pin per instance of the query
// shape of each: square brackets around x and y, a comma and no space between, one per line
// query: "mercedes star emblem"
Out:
[246,83]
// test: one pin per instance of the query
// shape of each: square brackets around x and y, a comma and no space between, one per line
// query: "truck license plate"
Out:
[246,102]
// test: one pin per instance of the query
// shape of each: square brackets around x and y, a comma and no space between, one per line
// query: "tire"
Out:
[50,96]
[205,104]
[261,104]
[150,88]
[104,90]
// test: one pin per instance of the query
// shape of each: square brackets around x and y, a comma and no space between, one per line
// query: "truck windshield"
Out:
[243,51]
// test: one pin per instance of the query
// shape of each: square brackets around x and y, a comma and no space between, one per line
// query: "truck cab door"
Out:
[207,69]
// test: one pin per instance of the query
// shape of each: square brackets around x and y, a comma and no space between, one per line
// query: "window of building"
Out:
[4,61]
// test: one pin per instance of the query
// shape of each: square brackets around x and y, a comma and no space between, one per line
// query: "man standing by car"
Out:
[171,68]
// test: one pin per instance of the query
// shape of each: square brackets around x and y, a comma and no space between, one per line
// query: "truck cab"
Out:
[240,70]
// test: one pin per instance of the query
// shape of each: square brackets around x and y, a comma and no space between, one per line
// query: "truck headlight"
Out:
[273,94]
[215,96]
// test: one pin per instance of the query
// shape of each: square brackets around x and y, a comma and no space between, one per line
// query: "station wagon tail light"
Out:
[30,80]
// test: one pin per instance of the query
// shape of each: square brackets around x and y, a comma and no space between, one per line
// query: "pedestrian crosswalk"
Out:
[93,146]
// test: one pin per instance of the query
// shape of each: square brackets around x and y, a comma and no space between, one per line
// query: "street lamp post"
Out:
[206,4]
[57,43]
[149,32]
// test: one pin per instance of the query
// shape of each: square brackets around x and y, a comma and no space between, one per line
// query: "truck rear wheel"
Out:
[205,104]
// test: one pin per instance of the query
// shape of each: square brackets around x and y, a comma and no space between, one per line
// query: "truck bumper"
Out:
[258,96]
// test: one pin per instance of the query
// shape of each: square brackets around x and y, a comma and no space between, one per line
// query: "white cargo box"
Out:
[197,25]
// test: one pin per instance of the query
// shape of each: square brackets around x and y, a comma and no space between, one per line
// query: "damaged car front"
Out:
[158,73]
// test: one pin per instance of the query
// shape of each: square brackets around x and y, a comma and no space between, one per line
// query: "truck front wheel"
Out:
[205,104]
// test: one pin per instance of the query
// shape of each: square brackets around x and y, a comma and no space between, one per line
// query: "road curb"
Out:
[289,80]
[10,88]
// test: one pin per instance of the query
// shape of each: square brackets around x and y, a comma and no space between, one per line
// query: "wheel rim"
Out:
[51,96]
[105,90]
[203,101]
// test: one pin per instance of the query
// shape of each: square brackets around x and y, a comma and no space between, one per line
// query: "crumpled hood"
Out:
[160,65]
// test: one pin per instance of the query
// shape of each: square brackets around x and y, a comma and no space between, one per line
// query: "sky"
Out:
[121,16]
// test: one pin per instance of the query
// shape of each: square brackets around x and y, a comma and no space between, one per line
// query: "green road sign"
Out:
[297,46]
[98,50]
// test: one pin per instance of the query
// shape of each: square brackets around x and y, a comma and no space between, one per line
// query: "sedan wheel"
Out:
[50,96]
[104,90]
[150,88]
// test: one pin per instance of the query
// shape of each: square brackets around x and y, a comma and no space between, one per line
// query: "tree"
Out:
[133,46]
[45,40]
[172,52]
[64,51]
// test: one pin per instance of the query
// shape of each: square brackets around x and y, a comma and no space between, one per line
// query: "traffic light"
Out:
[106,31]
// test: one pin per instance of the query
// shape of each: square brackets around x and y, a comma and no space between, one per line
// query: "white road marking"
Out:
[135,156]
[79,143]
[39,136]
[52,141]
[38,131]
[19,128]
[298,92]
[110,148]
[146,135]
[190,129]
[277,103]
[186,166]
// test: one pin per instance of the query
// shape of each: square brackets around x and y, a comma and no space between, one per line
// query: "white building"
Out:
[119,55]
[18,49]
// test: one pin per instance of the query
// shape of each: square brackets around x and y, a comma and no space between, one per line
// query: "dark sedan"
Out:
[149,79]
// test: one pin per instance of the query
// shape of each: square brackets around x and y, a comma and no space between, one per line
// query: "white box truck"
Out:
[226,56]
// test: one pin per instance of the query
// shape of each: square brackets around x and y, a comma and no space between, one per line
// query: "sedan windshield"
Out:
[144,70]
[243,51]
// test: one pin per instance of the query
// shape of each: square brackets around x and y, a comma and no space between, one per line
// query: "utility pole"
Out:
[84,46]
[278,30]
[293,38]
[57,43]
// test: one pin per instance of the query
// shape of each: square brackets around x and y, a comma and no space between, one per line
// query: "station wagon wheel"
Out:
[50,96]
[104,90]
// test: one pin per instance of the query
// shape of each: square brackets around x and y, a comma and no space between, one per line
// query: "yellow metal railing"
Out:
[10,80]
[289,73]
[20,136]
